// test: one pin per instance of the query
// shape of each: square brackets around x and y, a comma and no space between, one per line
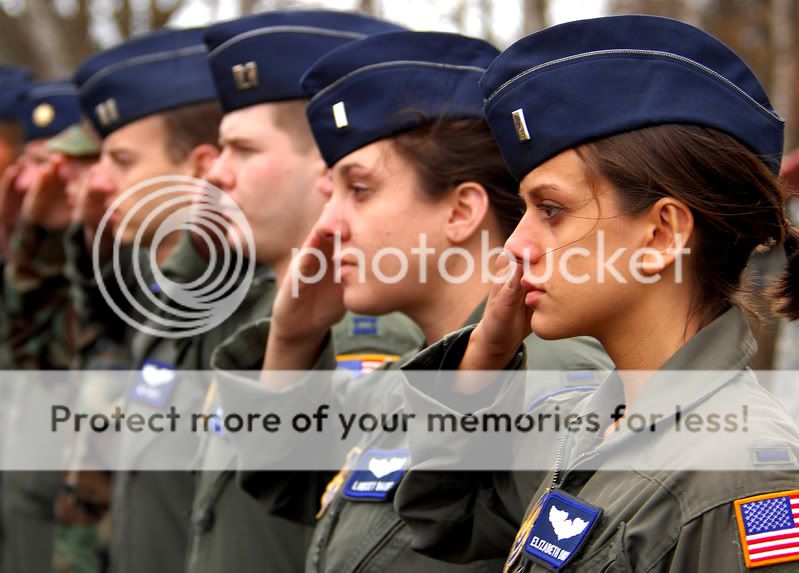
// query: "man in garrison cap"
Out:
[271,168]
[13,82]
[40,333]
[152,101]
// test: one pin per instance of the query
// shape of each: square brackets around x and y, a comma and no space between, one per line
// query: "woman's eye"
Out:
[359,190]
[549,210]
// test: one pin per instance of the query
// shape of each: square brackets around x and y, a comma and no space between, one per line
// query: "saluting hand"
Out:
[308,304]
[10,203]
[45,203]
[504,325]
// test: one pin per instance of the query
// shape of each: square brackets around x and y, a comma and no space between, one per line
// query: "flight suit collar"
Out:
[709,361]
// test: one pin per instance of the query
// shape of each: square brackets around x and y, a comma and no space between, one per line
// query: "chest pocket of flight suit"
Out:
[610,557]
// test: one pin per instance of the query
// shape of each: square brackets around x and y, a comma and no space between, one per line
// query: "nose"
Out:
[100,181]
[219,175]
[333,221]
[524,244]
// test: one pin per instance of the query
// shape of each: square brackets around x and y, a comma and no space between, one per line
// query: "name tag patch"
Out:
[155,383]
[377,474]
[561,527]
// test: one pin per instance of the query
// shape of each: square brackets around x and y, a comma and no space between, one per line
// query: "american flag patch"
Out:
[362,364]
[769,528]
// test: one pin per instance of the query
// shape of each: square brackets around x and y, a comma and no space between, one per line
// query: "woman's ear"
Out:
[201,158]
[670,225]
[469,206]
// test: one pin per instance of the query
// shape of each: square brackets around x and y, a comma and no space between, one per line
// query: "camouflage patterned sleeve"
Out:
[41,328]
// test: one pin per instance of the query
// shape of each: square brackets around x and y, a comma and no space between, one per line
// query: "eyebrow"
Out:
[235,140]
[345,169]
[537,191]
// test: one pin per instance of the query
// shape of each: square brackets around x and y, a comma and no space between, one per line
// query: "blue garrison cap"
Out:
[14,82]
[149,74]
[590,79]
[386,84]
[261,58]
[50,108]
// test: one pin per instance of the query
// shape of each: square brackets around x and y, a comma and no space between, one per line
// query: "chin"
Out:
[360,299]
[551,330]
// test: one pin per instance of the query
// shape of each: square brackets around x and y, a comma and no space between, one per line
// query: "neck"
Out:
[644,337]
[166,246]
[449,310]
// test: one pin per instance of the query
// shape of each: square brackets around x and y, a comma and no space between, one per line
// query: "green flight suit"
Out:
[231,530]
[655,517]
[365,536]
[150,509]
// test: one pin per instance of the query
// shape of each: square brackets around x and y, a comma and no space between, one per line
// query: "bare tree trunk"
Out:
[369,7]
[487,21]
[784,64]
[691,12]
[39,24]
[534,15]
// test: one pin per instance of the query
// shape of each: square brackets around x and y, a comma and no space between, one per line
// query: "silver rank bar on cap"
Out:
[340,115]
[521,126]
[245,76]
[107,112]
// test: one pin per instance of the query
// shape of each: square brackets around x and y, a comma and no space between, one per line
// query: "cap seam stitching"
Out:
[642,52]
[398,63]
[314,30]
[138,60]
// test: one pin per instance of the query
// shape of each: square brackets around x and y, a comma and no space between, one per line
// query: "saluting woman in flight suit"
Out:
[652,136]
[399,119]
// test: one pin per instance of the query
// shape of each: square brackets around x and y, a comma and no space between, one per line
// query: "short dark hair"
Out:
[189,126]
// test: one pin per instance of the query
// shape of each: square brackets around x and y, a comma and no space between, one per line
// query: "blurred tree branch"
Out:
[52,44]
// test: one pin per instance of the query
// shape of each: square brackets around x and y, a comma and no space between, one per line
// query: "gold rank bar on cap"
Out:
[43,115]
[340,115]
[521,125]
[245,76]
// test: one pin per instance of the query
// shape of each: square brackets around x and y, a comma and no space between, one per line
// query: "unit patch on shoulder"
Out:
[769,528]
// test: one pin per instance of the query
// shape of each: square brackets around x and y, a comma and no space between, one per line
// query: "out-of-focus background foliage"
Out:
[52,36]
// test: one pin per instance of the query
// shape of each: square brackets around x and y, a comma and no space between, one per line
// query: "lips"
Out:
[534,293]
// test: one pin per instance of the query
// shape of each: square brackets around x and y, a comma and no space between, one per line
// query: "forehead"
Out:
[378,157]
[37,149]
[253,121]
[140,133]
[566,170]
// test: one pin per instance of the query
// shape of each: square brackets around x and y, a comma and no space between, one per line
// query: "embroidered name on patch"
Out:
[155,383]
[769,528]
[377,474]
[562,526]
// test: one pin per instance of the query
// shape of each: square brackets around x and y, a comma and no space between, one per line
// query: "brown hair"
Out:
[189,126]
[448,152]
[737,204]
